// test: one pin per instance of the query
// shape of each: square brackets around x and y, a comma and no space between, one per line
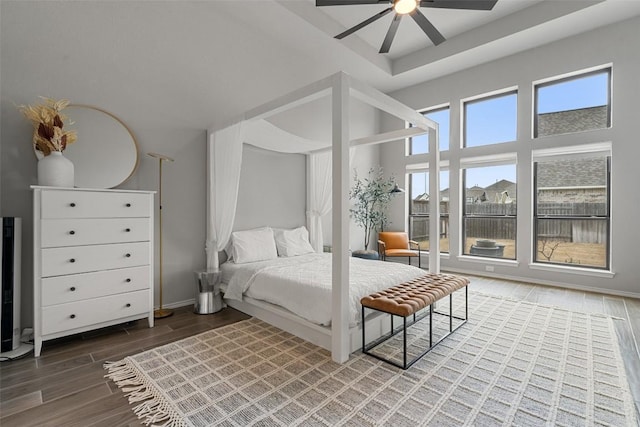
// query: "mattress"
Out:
[302,284]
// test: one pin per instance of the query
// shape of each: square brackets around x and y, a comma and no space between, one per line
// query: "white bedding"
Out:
[302,284]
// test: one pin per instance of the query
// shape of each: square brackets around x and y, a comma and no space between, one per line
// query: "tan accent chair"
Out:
[397,244]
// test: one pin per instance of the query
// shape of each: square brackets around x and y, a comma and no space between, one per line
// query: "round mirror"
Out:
[106,152]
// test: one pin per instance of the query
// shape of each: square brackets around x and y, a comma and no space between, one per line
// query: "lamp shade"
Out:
[396,189]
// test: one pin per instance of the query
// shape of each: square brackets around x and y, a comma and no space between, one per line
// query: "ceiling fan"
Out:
[408,7]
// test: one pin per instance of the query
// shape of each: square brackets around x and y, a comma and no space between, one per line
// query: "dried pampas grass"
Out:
[47,120]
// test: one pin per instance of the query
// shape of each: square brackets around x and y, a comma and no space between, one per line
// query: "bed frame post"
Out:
[340,219]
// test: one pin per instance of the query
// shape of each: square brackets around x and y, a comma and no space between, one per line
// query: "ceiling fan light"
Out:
[402,7]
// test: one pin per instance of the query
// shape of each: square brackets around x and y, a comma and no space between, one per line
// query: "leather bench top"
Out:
[414,295]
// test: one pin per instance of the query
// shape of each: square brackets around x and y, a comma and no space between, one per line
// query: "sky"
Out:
[494,120]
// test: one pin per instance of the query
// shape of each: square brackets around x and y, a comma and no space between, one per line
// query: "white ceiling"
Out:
[473,37]
[410,37]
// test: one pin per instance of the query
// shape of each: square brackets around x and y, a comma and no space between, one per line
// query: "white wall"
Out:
[183,216]
[614,44]
[272,190]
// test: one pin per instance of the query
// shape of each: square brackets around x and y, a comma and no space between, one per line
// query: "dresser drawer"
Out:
[79,314]
[82,259]
[94,204]
[83,231]
[76,287]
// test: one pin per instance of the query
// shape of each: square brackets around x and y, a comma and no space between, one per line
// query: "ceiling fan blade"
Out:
[460,4]
[363,23]
[427,27]
[391,33]
[348,2]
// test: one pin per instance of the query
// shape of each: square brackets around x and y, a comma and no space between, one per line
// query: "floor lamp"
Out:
[161,312]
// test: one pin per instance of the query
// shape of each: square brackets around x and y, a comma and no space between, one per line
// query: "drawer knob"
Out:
[72,232]
[73,316]
[72,260]
[128,280]
[127,255]
[128,230]
[72,289]
[73,205]
[128,205]
[128,305]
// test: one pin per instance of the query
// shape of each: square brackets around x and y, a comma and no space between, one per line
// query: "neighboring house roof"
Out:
[499,186]
[572,120]
[476,192]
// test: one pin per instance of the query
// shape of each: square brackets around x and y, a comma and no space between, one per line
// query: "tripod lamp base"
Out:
[162,313]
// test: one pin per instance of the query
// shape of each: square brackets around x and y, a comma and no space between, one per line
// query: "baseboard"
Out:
[554,283]
[179,304]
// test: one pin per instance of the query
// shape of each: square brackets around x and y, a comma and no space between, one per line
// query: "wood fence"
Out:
[497,221]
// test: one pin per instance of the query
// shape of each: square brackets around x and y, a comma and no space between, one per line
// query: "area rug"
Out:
[513,363]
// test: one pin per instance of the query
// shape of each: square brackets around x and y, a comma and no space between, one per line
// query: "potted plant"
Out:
[371,197]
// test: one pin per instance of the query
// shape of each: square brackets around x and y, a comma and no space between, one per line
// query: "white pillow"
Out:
[253,245]
[293,242]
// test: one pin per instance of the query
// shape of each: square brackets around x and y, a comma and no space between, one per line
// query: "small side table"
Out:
[208,299]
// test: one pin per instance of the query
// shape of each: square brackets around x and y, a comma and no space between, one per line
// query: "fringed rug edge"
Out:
[153,409]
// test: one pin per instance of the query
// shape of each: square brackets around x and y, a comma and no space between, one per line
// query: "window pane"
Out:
[578,242]
[490,121]
[420,144]
[573,187]
[489,225]
[573,105]
[419,210]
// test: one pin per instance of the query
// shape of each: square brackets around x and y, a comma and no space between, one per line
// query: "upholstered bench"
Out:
[409,298]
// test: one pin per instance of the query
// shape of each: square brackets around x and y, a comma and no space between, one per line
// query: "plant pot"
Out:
[55,170]
[365,254]
[485,243]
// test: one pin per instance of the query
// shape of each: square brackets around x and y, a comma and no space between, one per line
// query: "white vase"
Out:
[55,170]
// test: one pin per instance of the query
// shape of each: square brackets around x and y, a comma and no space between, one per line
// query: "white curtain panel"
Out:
[225,160]
[319,196]
[319,188]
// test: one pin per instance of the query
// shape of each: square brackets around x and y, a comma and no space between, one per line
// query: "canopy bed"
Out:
[327,191]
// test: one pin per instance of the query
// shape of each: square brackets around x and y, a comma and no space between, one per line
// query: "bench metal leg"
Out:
[431,325]
[404,344]
[363,334]
[450,312]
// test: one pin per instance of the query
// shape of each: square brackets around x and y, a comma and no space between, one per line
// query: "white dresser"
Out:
[93,259]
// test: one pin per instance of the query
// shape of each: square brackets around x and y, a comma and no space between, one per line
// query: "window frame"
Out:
[424,112]
[427,215]
[481,98]
[480,163]
[546,83]
[536,218]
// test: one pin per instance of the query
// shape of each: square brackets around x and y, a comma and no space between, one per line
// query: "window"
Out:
[571,211]
[420,144]
[419,210]
[489,211]
[490,120]
[573,104]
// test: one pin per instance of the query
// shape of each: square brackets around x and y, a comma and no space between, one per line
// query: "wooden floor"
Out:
[66,385]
